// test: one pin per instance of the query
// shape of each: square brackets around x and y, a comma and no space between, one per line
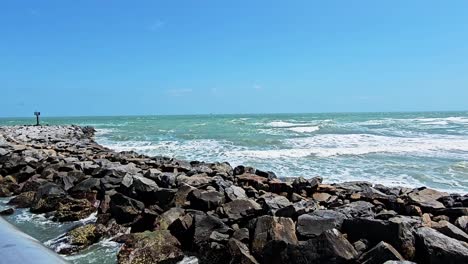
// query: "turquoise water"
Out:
[408,149]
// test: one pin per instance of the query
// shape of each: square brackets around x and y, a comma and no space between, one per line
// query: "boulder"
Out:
[73,210]
[379,254]
[317,222]
[47,198]
[234,192]
[150,247]
[166,219]
[206,200]
[427,198]
[462,223]
[434,247]
[357,209]
[240,209]
[330,247]
[258,182]
[450,230]
[267,229]
[397,231]
[240,253]
[8,211]
[78,239]
[198,181]
[125,209]
[23,200]
[87,185]
[181,195]
[271,202]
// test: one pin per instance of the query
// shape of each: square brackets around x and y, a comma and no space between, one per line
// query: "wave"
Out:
[304,129]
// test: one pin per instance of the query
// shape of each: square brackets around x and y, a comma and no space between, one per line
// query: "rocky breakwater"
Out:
[163,209]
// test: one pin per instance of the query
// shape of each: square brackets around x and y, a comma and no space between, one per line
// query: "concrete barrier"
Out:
[18,247]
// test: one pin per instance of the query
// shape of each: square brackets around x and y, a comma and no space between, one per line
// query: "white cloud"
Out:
[178,92]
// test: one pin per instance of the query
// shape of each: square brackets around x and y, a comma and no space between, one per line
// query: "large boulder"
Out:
[379,254]
[47,198]
[77,239]
[330,247]
[125,209]
[317,222]
[267,229]
[271,202]
[240,253]
[449,230]
[240,209]
[427,198]
[150,247]
[73,209]
[357,209]
[397,231]
[205,200]
[23,200]
[434,247]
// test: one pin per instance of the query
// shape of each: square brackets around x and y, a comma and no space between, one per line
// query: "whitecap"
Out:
[304,129]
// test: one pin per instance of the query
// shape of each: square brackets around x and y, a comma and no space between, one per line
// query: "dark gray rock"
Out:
[434,247]
[125,209]
[381,253]
[240,209]
[205,201]
[271,202]
[450,230]
[317,222]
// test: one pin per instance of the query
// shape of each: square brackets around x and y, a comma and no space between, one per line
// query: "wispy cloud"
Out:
[157,25]
[178,92]
[257,87]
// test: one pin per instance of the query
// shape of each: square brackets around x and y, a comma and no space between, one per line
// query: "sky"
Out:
[81,58]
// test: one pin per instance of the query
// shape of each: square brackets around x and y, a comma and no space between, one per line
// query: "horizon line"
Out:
[268,113]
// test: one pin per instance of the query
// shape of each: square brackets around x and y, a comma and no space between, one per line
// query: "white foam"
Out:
[304,129]
[287,124]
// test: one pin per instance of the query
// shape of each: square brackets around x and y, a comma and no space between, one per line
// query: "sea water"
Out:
[404,149]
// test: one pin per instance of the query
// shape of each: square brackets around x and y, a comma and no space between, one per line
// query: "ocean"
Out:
[404,149]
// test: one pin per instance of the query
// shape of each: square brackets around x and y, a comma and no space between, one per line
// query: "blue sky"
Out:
[189,57]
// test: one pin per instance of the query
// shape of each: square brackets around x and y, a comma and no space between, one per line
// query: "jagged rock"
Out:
[427,198]
[181,195]
[329,247]
[269,229]
[87,185]
[271,202]
[25,173]
[205,201]
[317,222]
[47,198]
[240,209]
[277,186]
[234,192]
[79,239]
[240,252]
[73,210]
[143,185]
[242,234]
[305,206]
[357,209]
[450,230]
[397,231]
[153,174]
[462,222]
[434,247]
[381,253]
[125,209]
[258,182]
[150,247]
[23,200]
[197,181]
[163,221]
[8,211]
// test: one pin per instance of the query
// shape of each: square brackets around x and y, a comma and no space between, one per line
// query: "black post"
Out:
[37,114]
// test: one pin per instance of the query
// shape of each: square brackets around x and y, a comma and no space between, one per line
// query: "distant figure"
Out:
[37,114]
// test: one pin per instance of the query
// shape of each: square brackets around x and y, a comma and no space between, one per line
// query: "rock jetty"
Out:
[163,209]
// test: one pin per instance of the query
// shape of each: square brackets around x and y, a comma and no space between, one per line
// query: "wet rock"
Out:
[8,211]
[73,210]
[23,200]
[317,222]
[80,238]
[434,247]
[240,209]
[47,198]
[450,230]
[125,209]
[381,253]
[150,247]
